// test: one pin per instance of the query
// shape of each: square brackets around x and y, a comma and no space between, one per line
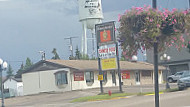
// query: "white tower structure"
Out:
[90,13]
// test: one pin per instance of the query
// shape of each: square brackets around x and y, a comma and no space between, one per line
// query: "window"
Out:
[61,78]
[104,76]
[146,73]
[89,77]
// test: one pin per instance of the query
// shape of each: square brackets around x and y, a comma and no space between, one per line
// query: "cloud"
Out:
[4,0]
[64,6]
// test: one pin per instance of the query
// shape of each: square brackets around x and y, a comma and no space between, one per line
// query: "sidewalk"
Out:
[131,89]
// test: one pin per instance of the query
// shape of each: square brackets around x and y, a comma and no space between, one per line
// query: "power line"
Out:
[71,45]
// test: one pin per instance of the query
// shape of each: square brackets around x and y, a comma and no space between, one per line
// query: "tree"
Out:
[77,53]
[28,63]
[84,57]
[141,27]
[20,71]
[23,67]
[56,56]
[10,71]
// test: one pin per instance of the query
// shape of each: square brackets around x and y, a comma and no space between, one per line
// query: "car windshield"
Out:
[178,73]
[185,74]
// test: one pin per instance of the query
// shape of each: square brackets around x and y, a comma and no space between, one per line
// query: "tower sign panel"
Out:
[105,34]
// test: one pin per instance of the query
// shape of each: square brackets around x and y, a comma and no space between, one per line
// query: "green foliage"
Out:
[23,67]
[28,63]
[80,56]
[142,27]
[84,57]
[20,71]
[77,53]
[101,97]
[10,71]
[122,58]
[56,56]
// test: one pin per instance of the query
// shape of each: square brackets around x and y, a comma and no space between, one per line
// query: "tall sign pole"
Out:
[156,66]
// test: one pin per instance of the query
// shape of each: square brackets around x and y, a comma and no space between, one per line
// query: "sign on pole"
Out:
[106,45]
[100,77]
[107,49]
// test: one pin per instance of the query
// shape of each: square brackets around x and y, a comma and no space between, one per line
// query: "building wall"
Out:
[131,80]
[143,79]
[19,89]
[43,81]
[77,85]
[12,86]
[147,79]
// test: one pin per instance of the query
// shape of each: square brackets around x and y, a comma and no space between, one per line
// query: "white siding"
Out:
[43,81]
[13,85]
[77,85]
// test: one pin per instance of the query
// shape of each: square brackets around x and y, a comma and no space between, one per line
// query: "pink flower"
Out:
[174,38]
[138,8]
[119,17]
[126,12]
[158,25]
[115,29]
[145,30]
[138,12]
[165,14]
[175,20]
[151,20]
[174,9]
[182,45]
[185,12]
[181,38]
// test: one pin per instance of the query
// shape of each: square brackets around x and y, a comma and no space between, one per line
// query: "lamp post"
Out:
[3,66]
[166,58]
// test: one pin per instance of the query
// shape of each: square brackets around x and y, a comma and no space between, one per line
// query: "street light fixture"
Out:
[3,66]
[166,58]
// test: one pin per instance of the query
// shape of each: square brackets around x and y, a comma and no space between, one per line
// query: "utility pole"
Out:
[156,65]
[189,4]
[71,45]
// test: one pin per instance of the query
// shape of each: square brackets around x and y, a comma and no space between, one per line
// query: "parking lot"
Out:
[47,99]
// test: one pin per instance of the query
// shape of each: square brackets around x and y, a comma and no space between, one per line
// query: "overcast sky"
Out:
[28,26]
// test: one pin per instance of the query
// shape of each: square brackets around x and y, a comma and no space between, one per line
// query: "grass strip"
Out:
[117,96]
[101,97]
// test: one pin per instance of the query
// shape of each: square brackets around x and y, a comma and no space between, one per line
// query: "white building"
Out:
[67,75]
[14,85]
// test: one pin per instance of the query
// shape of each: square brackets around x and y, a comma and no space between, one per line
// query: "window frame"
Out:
[90,81]
[146,73]
[62,79]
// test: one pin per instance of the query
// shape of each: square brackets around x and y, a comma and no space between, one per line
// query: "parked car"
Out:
[184,80]
[175,77]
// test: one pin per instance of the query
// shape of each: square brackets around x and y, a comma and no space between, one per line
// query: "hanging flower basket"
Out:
[140,27]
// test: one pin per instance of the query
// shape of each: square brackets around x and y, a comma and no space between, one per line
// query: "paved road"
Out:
[63,99]
[173,99]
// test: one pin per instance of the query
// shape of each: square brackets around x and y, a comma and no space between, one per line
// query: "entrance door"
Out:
[113,78]
[137,77]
